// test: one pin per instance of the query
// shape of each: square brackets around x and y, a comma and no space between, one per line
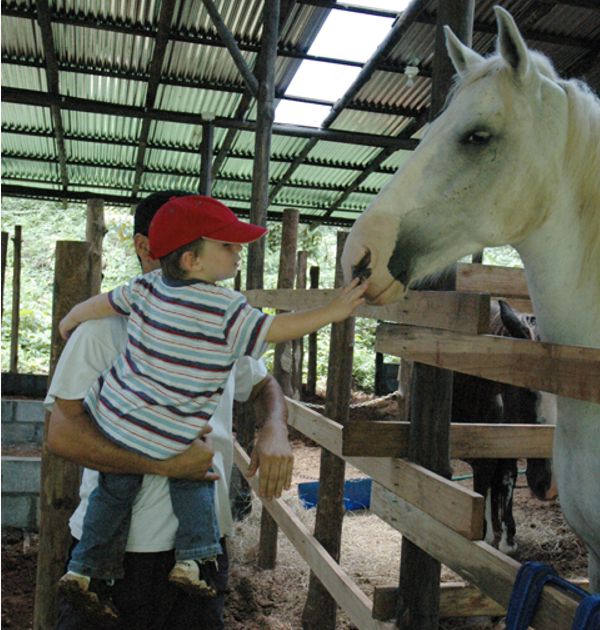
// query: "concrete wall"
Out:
[22,423]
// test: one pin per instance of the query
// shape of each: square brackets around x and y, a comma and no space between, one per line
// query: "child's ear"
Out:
[188,261]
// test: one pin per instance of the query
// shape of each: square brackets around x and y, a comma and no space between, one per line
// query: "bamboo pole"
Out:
[206,155]
[431,388]
[59,478]
[16,301]
[95,229]
[311,381]
[320,609]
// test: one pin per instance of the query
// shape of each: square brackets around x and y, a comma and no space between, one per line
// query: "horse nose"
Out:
[361,269]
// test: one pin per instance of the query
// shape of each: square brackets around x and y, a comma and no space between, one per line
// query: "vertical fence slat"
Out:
[298,345]
[60,478]
[16,300]
[320,609]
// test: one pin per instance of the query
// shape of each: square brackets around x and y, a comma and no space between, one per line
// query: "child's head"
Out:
[182,225]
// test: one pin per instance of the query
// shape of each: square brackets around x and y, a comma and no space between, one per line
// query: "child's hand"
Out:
[348,300]
[66,326]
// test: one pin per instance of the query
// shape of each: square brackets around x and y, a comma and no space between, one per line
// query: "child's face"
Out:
[217,261]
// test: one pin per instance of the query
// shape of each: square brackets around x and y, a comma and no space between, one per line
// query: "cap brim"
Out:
[238,232]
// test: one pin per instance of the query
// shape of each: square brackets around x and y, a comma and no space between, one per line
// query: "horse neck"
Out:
[562,258]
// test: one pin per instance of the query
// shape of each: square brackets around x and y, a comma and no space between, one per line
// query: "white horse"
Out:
[514,158]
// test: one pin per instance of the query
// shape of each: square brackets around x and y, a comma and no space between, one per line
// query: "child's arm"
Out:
[95,308]
[289,326]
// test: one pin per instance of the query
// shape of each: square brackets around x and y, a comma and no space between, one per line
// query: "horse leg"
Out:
[506,485]
[483,471]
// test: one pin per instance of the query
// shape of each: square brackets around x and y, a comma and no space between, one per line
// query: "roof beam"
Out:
[158,57]
[43,17]
[42,99]
[383,50]
[12,190]
[229,41]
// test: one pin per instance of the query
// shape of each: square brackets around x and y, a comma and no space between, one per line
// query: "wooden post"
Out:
[311,381]
[431,388]
[206,156]
[60,478]
[95,230]
[320,609]
[283,360]
[16,300]
[298,345]
[4,249]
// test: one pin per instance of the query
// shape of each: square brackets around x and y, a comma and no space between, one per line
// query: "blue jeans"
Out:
[99,553]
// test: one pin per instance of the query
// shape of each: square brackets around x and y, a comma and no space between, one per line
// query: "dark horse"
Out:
[481,400]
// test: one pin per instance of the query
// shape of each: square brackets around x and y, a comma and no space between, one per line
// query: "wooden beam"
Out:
[447,310]
[381,438]
[52,79]
[498,281]
[347,594]
[452,504]
[228,39]
[155,71]
[571,371]
[476,561]
[456,600]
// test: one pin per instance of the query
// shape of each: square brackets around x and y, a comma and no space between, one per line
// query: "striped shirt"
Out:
[183,338]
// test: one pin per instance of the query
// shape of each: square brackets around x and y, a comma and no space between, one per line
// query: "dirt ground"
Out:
[273,600]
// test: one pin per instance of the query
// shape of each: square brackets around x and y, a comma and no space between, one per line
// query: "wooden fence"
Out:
[444,519]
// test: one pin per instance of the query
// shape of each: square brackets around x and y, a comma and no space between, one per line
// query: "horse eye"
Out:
[477,137]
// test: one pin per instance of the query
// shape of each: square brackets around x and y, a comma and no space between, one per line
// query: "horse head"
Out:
[466,185]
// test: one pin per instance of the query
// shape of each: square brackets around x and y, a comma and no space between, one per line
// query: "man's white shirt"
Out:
[91,349]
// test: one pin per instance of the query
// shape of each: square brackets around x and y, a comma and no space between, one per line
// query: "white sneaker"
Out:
[196,578]
[75,588]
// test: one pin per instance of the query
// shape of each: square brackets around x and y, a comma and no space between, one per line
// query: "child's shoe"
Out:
[196,578]
[75,588]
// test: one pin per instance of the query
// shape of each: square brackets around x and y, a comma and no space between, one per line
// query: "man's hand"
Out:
[193,463]
[272,456]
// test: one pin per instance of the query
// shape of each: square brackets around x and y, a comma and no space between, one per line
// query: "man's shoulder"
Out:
[108,330]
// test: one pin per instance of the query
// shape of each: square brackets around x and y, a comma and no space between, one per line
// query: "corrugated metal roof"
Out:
[104,52]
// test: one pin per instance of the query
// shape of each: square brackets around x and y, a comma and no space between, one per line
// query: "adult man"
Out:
[144,598]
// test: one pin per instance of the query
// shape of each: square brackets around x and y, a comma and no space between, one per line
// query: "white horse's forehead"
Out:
[483,98]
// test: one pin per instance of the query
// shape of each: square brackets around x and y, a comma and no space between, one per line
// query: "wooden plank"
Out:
[572,371]
[454,505]
[476,561]
[382,438]
[346,593]
[495,280]
[456,600]
[448,310]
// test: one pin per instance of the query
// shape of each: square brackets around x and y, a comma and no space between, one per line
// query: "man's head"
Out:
[144,213]
[184,224]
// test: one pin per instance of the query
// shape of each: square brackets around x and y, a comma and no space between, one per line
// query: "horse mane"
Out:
[582,159]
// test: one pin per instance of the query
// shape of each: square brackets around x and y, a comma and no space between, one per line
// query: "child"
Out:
[184,334]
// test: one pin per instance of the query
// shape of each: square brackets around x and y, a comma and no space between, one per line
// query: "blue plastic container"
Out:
[357,494]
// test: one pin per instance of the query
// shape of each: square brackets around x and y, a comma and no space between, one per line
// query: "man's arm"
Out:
[72,435]
[272,454]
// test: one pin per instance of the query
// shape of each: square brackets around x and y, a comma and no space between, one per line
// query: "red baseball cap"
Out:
[183,220]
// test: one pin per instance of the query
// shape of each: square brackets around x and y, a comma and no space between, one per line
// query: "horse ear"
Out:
[512,322]
[462,56]
[511,44]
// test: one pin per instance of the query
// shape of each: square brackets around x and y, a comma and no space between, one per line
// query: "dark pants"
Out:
[147,601]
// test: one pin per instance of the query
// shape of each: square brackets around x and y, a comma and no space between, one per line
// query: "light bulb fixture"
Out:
[410,72]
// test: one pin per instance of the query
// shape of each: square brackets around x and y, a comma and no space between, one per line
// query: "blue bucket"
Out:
[357,494]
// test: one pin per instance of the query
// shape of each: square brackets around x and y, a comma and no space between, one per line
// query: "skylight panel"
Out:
[344,35]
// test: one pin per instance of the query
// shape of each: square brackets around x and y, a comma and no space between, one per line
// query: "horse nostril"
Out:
[361,269]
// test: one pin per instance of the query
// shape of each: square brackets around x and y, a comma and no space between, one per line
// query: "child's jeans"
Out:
[99,553]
